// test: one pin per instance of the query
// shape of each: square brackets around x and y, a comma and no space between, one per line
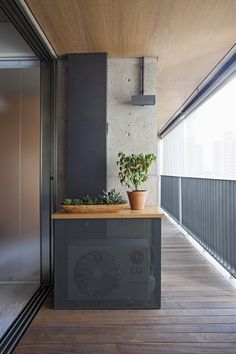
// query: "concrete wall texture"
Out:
[131,129]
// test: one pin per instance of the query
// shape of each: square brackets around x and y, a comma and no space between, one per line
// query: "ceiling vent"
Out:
[143,100]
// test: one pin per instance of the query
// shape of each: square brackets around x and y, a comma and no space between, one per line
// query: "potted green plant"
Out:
[133,171]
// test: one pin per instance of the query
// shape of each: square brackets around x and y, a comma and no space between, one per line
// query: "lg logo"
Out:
[136,270]
[136,257]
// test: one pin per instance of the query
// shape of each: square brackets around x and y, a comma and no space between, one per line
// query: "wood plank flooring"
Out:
[198,315]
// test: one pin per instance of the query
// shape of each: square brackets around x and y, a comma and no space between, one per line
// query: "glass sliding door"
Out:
[19,189]
[29,186]
[20,238]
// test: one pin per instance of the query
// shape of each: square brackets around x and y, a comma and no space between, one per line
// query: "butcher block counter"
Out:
[148,212]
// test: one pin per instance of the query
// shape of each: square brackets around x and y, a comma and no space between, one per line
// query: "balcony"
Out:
[83,83]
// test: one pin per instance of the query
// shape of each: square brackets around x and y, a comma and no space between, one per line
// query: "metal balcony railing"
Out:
[206,209]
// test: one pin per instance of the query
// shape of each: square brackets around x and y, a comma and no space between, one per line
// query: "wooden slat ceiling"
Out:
[188,36]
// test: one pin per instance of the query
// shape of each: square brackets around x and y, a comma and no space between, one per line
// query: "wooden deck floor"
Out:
[198,315]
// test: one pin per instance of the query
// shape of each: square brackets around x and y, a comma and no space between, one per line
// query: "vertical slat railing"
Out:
[170,196]
[208,210]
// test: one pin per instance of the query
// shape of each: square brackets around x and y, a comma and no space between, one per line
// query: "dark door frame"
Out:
[20,19]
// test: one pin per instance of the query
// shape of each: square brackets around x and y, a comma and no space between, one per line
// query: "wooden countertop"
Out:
[149,212]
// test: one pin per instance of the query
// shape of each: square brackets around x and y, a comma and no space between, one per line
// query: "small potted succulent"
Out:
[108,201]
[133,171]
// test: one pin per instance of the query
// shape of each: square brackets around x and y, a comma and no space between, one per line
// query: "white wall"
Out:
[131,129]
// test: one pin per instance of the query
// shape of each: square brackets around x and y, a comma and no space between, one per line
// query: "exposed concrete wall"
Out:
[131,129]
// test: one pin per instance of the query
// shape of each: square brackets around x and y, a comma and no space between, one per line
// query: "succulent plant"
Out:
[107,197]
[72,201]
[90,200]
[112,197]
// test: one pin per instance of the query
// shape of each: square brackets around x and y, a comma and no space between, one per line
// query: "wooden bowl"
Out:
[110,208]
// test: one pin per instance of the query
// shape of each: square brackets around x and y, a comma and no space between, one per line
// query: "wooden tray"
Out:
[112,208]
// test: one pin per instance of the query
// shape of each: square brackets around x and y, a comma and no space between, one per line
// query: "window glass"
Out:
[204,143]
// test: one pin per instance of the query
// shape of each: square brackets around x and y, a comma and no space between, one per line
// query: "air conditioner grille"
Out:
[97,274]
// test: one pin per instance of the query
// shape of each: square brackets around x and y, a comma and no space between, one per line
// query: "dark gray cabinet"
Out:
[107,263]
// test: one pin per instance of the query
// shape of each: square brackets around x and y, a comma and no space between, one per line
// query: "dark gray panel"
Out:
[87,242]
[170,195]
[208,213]
[143,100]
[86,153]
[47,144]
[3,17]
[61,107]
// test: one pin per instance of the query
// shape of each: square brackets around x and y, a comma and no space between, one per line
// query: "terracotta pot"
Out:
[137,199]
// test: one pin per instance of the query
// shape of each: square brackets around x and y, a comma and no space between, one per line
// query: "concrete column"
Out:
[131,129]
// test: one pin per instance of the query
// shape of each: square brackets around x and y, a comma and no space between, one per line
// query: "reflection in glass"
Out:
[19,189]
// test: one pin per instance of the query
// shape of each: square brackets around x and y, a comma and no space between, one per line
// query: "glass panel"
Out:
[204,144]
[19,173]
[19,190]
[29,180]
[9,174]
[174,151]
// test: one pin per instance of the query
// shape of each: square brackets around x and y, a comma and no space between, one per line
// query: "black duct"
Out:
[143,100]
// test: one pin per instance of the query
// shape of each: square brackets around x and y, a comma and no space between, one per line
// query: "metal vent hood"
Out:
[143,100]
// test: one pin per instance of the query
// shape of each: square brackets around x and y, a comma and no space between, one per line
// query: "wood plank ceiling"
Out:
[188,36]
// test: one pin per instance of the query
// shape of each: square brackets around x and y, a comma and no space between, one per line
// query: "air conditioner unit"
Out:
[110,269]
